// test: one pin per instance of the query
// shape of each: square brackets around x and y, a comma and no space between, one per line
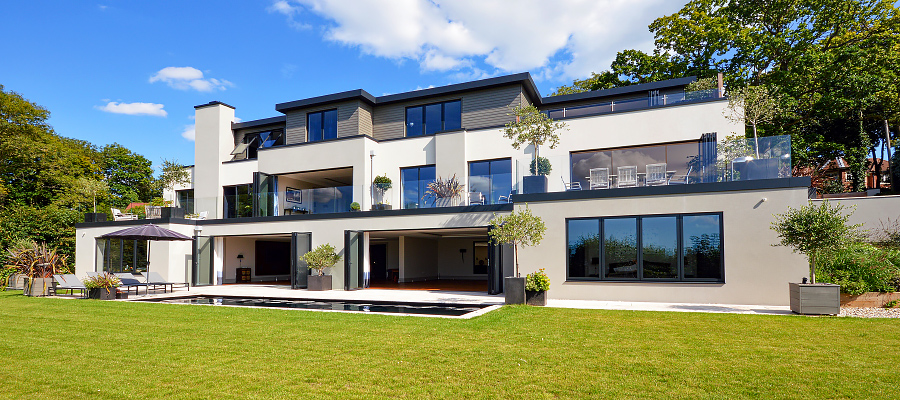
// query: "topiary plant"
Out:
[383,183]
[354,206]
[543,166]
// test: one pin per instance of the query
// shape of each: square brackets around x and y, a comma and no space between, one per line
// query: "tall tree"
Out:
[129,175]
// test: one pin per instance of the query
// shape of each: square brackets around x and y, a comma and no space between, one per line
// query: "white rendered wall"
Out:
[872,212]
[172,260]
[213,144]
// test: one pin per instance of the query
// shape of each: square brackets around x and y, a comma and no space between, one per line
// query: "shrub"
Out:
[321,257]
[543,166]
[861,267]
[382,182]
[354,206]
[104,280]
[537,281]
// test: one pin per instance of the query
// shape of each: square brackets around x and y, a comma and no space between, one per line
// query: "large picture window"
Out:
[685,247]
[491,178]
[432,118]
[680,158]
[321,125]
[119,255]
[414,184]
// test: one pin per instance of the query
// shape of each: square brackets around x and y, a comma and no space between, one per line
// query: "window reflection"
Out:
[414,185]
[702,247]
[620,248]
[584,248]
[491,178]
[659,241]
[678,157]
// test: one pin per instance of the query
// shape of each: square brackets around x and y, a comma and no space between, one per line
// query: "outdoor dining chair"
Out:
[476,198]
[681,179]
[599,178]
[571,186]
[656,174]
[627,176]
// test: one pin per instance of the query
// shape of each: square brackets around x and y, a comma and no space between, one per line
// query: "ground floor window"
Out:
[119,255]
[684,247]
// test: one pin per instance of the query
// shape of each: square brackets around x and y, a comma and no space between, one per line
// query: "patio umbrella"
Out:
[146,232]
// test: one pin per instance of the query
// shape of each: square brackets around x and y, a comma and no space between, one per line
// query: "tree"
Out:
[752,105]
[92,188]
[172,174]
[812,230]
[129,175]
[517,228]
[321,257]
[534,127]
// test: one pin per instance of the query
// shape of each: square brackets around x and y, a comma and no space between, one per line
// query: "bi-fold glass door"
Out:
[354,274]
[202,273]
[301,243]
[265,195]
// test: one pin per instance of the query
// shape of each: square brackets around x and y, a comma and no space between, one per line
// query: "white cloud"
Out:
[189,132]
[153,109]
[186,78]
[558,39]
[289,11]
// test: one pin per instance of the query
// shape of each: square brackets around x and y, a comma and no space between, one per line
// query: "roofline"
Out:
[523,78]
[213,103]
[326,99]
[259,122]
[618,90]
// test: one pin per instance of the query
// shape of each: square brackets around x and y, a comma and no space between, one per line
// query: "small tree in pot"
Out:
[318,259]
[382,184]
[102,286]
[517,228]
[811,231]
[531,126]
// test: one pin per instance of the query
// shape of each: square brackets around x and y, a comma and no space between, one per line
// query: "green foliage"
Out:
[832,185]
[105,280]
[383,183]
[36,260]
[445,188]
[354,206]
[537,281]
[753,105]
[91,188]
[701,84]
[812,230]
[130,175]
[172,174]
[517,228]
[892,304]
[888,234]
[531,126]
[860,268]
[321,257]
[543,166]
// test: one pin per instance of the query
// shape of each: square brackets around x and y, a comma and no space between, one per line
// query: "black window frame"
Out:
[252,151]
[424,119]
[420,195]
[639,245]
[321,113]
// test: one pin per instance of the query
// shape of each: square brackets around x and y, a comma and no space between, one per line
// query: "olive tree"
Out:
[532,126]
[92,187]
[321,257]
[811,230]
[517,228]
[172,174]
[752,105]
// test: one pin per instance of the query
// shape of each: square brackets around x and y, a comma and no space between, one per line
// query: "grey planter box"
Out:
[102,293]
[533,298]
[37,287]
[381,207]
[319,283]
[17,281]
[515,290]
[815,299]
[534,184]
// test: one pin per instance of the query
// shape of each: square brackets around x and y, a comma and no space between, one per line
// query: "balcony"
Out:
[633,104]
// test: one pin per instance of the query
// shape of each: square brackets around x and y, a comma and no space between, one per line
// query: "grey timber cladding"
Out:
[365,118]
[480,109]
[348,123]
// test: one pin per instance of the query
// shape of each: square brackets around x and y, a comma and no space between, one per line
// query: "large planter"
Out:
[536,298]
[515,290]
[102,293]
[94,217]
[815,299]
[534,184]
[318,282]
[446,202]
[17,281]
[380,207]
[37,286]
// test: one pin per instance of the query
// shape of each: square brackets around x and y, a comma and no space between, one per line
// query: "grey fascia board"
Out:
[523,78]
[326,99]
[618,91]
[712,187]
[213,103]
[259,122]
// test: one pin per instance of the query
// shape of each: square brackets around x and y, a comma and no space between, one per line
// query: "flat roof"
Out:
[259,122]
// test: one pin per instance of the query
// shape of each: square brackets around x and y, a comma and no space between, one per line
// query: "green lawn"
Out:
[92,349]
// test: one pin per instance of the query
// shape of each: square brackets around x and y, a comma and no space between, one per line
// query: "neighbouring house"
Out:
[645,199]
[838,170]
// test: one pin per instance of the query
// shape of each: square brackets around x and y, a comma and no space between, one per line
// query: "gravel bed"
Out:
[866,312]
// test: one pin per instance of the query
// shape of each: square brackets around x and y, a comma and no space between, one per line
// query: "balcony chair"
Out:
[571,186]
[681,179]
[507,198]
[476,198]
[153,212]
[627,176]
[599,178]
[656,174]
[118,215]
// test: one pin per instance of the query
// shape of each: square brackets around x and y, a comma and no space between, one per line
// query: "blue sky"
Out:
[131,72]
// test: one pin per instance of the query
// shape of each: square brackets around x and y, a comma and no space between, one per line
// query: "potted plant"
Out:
[102,286]
[517,228]
[38,263]
[318,259]
[446,192]
[172,174]
[354,207]
[382,184]
[92,188]
[810,231]
[536,286]
[531,126]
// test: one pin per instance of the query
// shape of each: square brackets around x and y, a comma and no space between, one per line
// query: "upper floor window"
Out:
[432,118]
[492,179]
[321,125]
[252,142]
[414,183]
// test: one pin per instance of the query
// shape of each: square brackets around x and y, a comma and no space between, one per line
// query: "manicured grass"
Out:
[57,348]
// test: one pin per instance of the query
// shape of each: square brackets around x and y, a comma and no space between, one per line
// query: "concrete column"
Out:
[213,144]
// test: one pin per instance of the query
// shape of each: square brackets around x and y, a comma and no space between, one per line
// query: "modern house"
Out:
[645,201]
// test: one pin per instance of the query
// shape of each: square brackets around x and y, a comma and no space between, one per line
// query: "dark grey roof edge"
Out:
[328,98]
[524,78]
[213,103]
[619,90]
[259,122]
